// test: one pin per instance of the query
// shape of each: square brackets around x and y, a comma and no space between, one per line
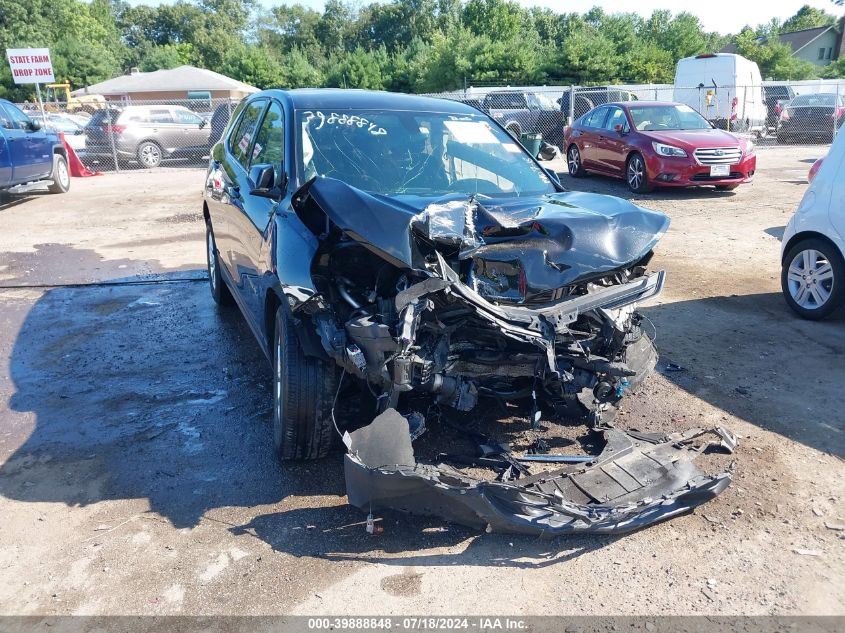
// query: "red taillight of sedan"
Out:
[814,169]
[115,129]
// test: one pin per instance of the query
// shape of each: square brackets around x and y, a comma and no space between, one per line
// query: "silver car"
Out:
[147,134]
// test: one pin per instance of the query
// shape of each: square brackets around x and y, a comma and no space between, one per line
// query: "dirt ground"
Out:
[136,475]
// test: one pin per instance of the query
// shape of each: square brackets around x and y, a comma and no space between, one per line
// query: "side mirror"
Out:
[203,123]
[620,129]
[262,179]
[34,125]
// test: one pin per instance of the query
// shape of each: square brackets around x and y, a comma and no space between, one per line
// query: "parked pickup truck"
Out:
[522,112]
[30,156]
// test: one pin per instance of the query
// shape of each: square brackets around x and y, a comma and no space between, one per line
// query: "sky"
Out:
[723,16]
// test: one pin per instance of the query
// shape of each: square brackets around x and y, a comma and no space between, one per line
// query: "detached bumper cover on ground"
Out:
[638,480]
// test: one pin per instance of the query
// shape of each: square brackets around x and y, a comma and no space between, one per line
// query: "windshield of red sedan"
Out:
[667,117]
[416,153]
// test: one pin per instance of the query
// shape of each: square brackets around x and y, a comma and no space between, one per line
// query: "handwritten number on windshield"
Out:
[342,119]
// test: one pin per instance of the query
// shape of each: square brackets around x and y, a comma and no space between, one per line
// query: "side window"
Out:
[19,120]
[186,117]
[240,140]
[161,115]
[270,140]
[5,119]
[596,118]
[617,117]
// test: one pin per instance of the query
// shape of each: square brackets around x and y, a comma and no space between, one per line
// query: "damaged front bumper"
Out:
[637,480]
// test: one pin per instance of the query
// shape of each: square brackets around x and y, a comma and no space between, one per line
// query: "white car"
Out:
[813,251]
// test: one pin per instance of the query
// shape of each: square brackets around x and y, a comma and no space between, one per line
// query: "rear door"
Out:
[164,130]
[611,145]
[592,126]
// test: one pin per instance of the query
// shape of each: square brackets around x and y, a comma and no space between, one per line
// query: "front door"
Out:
[23,151]
[251,227]
[610,147]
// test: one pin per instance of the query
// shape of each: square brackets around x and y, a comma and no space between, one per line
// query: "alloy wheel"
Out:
[810,279]
[212,262]
[150,155]
[573,160]
[635,172]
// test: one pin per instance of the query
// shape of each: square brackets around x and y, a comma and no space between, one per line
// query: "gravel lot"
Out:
[136,475]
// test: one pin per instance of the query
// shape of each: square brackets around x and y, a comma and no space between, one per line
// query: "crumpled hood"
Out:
[535,243]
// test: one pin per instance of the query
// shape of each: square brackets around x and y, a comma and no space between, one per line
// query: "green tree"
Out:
[167,56]
[808,17]
[359,69]
[253,65]
[774,58]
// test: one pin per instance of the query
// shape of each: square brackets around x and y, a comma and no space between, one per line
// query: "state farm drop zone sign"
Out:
[30,65]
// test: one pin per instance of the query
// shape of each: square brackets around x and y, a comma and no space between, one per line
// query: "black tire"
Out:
[835,287]
[576,168]
[60,175]
[636,165]
[726,187]
[303,395]
[149,154]
[219,290]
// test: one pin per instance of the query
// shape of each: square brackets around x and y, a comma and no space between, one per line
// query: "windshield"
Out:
[822,100]
[416,153]
[668,117]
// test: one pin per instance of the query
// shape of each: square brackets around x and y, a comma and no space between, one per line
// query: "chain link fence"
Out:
[117,136]
[774,113]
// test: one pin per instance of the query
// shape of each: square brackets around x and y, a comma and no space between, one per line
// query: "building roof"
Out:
[799,39]
[175,79]
[794,39]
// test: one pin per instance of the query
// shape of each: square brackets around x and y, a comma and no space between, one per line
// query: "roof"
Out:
[180,78]
[799,39]
[794,39]
[344,99]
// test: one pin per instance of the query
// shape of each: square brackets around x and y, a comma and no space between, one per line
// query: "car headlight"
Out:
[749,147]
[668,150]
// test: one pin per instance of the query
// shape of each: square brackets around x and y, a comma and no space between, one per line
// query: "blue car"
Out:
[30,156]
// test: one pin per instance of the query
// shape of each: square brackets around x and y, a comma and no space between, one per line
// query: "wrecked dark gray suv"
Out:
[410,247]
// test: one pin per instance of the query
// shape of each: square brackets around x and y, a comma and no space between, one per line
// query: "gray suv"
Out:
[147,134]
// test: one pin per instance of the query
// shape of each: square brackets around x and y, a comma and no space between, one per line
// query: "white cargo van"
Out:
[710,83]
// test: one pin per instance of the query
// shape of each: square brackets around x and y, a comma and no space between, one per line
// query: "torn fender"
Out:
[638,480]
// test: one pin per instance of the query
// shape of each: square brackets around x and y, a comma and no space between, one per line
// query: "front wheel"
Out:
[636,175]
[60,175]
[813,278]
[304,389]
[574,162]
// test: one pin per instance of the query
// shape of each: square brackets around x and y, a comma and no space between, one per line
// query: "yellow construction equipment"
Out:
[57,98]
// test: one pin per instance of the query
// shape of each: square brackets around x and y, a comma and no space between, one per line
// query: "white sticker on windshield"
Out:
[513,148]
[474,132]
[684,108]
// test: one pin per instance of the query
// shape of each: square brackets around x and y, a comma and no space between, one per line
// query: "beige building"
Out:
[181,83]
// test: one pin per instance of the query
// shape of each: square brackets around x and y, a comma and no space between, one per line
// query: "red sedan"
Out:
[653,144]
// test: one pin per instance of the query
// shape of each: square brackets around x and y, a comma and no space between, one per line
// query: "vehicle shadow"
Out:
[338,534]
[139,388]
[617,187]
[752,357]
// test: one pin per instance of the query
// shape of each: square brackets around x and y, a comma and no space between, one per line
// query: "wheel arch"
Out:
[309,341]
[808,235]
